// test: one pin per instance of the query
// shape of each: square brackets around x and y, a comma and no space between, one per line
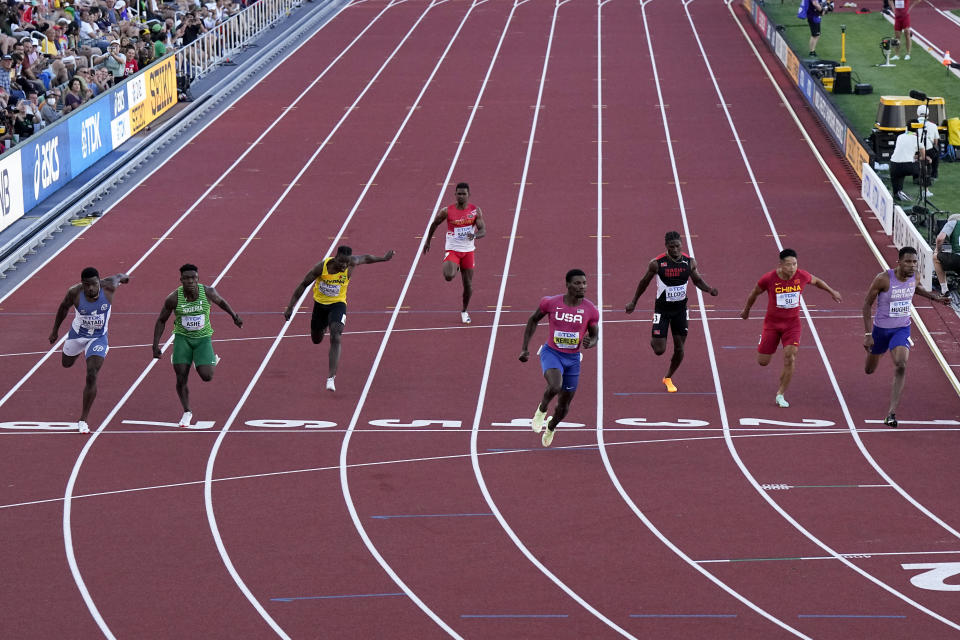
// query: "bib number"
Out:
[192,323]
[329,289]
[677,293]
[899,4]
[566,339]
[899,308]
[790,300]
[461,233]
[92,322]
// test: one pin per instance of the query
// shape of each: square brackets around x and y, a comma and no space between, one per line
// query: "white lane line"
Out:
[197,202]
[208,487]
[856,556]
[358,465]
[614,478]
[490,351]
[723,411]
[67,506]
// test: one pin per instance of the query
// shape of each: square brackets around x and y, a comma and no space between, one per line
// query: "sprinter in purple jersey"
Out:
[92,300]
[574,322]
[893,290]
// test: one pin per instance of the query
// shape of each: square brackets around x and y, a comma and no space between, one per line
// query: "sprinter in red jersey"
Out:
[781,324]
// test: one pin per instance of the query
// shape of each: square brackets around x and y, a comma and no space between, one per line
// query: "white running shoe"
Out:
[894,57]
[928,193]
[186,419]
[781,401]
[547,436]
[82,427]
[539,420]
[464,317]
[330,385]
[906,57]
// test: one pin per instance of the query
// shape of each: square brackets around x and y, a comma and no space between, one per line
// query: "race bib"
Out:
[461,233]
[789,300]
[192,323]
[899,4]
[899,308]
[329,289]
[677,293]
[566,339]
[92,322]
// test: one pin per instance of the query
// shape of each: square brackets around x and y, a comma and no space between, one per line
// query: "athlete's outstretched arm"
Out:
[369,259]
[308,279]
[652,269]
[528,332]
[218,300]
[750,300]
[936,297]
[820,284]
[69,300]
[480,224]
[114,281]
[441,216]
[698,280]
[168,306]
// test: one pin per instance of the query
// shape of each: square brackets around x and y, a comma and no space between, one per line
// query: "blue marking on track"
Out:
[432,515]
[514,615]
[683,615]
[846,615]
[353,595]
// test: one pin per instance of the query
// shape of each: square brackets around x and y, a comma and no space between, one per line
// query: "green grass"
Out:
[863,54]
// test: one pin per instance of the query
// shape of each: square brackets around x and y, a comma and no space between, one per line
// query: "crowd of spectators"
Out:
[55,55]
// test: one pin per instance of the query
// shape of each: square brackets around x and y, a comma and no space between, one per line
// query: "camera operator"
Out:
[907,153]
[931,138]
[813,11]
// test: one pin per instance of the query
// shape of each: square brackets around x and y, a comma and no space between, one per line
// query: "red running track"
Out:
[684,516]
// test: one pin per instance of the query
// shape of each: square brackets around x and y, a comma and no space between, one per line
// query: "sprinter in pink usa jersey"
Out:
[574,322]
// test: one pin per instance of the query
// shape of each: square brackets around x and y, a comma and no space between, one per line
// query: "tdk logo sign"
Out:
[90,140]
[5,199]
[46,166]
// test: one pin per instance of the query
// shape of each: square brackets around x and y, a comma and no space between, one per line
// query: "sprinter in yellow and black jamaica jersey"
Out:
[330,278]
[192,331]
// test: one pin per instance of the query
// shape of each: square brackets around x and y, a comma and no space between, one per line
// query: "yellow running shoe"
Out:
[670,386]
[547,436]
[539,420]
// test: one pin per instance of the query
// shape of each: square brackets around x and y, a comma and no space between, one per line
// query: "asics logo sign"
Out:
[46,166]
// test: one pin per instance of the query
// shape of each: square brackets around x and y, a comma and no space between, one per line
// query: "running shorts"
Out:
[886,339]
[786,334]
[325,315]
[464,259]
[198,351]
[92,346]
[567,363]
[676,320]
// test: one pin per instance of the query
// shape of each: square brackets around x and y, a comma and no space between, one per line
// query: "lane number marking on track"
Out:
[936,575]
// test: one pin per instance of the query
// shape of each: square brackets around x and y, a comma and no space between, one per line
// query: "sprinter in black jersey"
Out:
[672,270]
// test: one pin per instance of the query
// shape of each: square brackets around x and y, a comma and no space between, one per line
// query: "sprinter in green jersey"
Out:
[192,331]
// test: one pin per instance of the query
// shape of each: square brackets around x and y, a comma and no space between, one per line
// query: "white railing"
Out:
[215,47]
